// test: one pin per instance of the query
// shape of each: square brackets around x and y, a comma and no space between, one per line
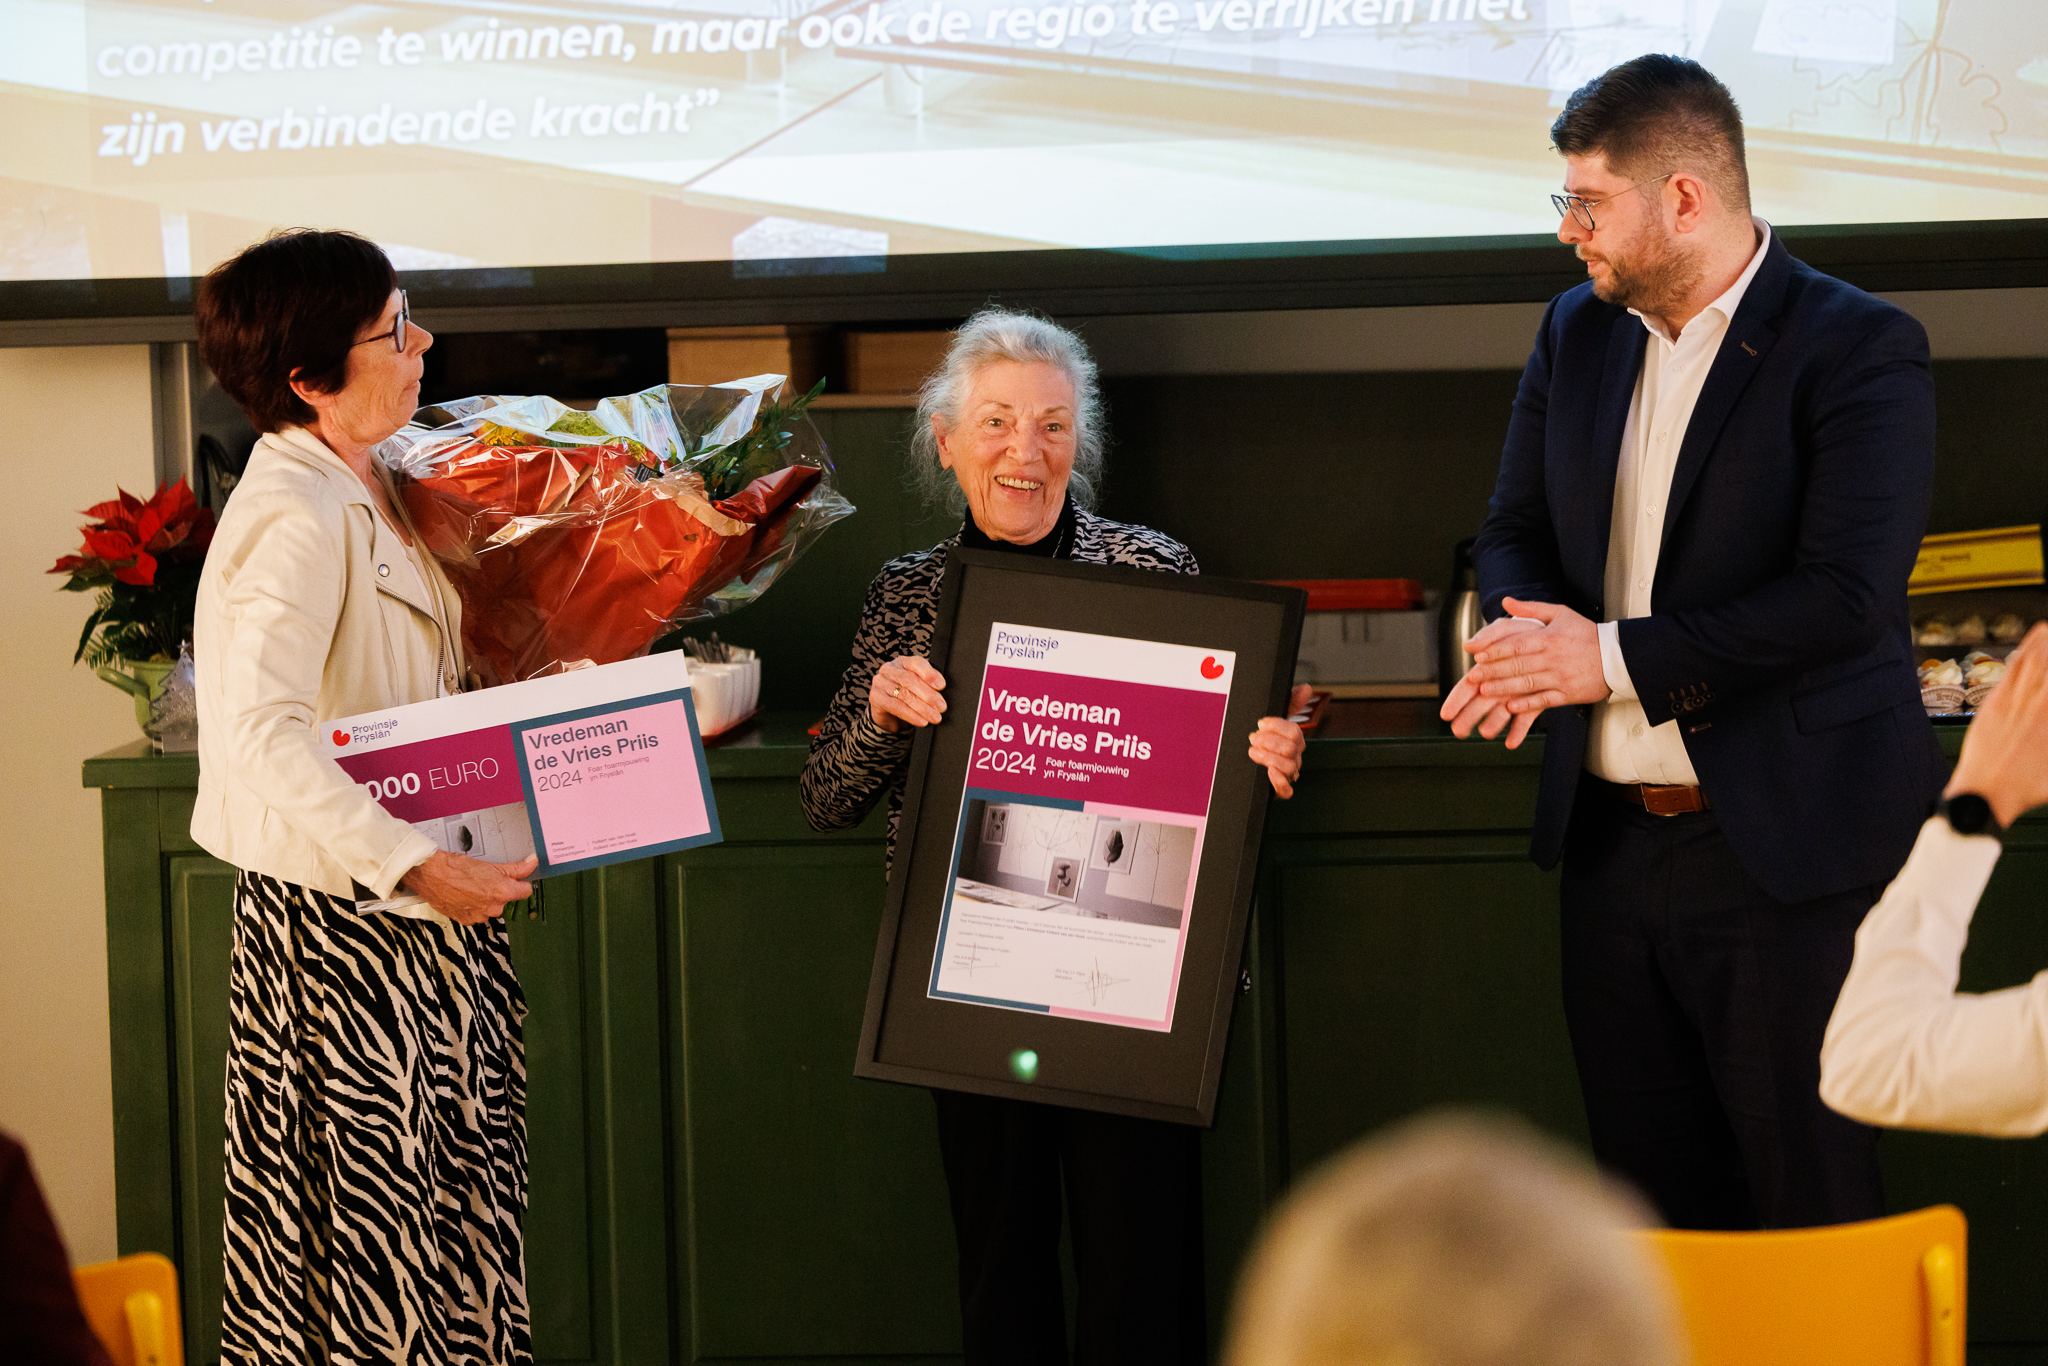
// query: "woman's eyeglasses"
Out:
[1581,210]
[399,328]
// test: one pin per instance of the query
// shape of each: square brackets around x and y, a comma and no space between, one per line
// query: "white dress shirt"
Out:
[1903,1047]
[1624,747]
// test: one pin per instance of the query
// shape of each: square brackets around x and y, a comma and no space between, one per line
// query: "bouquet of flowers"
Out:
[580,537]
[143,560]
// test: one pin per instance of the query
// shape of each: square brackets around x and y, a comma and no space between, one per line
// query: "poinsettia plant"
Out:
[143,560]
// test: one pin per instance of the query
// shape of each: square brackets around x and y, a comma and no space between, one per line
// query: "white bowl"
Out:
[724,694]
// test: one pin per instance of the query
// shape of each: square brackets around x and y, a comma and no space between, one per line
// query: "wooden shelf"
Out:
[864,401]
[1351,692]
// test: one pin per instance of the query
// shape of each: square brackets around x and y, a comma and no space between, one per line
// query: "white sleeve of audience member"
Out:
[1903,1048]
[1613,668]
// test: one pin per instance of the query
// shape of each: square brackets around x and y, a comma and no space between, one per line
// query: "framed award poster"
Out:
[1074,863]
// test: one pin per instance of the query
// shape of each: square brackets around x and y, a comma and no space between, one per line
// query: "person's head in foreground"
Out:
[1454,1240]
[1656,183]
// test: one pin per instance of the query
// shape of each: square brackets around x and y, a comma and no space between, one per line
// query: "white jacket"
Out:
[310,609]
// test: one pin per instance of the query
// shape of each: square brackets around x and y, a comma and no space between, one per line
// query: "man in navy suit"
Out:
[1714,485]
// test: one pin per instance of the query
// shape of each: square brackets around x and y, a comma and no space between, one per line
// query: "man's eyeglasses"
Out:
[1581,210]
[399,328]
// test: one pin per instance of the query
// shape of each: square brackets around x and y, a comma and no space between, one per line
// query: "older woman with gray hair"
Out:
[1010,430]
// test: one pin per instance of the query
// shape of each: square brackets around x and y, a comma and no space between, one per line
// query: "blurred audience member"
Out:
[40,1320]
[1454,1240]
[1904,1046]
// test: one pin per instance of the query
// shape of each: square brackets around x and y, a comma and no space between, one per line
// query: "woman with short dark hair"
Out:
[376,1081]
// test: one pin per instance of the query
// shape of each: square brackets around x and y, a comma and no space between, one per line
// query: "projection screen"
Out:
[150,138]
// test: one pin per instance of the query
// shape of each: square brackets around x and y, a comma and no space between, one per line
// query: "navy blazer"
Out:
[1778,635]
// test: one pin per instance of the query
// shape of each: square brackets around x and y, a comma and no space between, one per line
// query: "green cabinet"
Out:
[709,1182]
[201,903]
[810,1204]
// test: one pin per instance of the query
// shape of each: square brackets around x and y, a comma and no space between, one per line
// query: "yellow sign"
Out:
[2003,557]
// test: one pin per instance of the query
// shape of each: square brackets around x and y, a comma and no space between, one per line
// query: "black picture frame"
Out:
[909,1035]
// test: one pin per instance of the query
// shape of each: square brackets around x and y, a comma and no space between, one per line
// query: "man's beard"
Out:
[1649,274]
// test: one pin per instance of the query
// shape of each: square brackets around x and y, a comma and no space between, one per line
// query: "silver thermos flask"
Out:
[1461,620]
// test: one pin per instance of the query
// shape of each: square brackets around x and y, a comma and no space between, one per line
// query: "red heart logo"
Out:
[1211,669]
[341,737]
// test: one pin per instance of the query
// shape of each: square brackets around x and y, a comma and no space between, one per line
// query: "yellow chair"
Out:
[1885,1292]
[132,1305]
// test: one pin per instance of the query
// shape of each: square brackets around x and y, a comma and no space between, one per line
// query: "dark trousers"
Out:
[1134,1204]
[1696,1006]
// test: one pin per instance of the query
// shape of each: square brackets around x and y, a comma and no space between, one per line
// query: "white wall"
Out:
[79,424]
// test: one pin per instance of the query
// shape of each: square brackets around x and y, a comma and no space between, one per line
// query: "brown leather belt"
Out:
[1666,799]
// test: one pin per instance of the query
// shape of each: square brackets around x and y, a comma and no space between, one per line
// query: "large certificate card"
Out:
[583,768]
[1084,808]
[1074,862]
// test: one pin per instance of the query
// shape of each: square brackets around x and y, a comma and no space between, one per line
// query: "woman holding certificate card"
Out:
[376,1084]
[1010,429]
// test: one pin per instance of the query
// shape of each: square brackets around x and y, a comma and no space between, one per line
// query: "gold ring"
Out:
[896,691]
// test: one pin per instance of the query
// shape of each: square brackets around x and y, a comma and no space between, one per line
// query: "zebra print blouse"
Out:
[853,761]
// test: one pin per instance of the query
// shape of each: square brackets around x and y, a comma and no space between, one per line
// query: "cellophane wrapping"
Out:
[580,538]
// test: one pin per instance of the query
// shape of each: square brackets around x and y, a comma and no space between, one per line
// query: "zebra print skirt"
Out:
[376,1157]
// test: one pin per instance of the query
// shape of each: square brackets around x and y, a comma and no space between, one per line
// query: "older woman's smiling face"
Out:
[1013,448]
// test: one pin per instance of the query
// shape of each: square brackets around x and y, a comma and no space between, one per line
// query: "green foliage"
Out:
[759,452]
[139,621]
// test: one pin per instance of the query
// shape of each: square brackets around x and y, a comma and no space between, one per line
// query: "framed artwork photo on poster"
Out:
[1080,836]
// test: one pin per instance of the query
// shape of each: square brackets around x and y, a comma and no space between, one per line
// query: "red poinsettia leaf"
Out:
[173,498]
[173,518]
[176,529]
[142,573]
[165,505]
[120,512]
[148,524]
[108,544]
[120,559]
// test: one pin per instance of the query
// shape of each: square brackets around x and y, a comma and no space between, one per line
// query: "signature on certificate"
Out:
[1096,985]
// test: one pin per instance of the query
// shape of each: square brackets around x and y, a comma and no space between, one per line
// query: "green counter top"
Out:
[774,746]
[771,747]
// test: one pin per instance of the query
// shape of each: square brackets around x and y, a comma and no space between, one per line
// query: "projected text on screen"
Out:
[155,137]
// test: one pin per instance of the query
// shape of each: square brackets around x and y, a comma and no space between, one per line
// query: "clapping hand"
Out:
[1541,655]
[1466,708]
